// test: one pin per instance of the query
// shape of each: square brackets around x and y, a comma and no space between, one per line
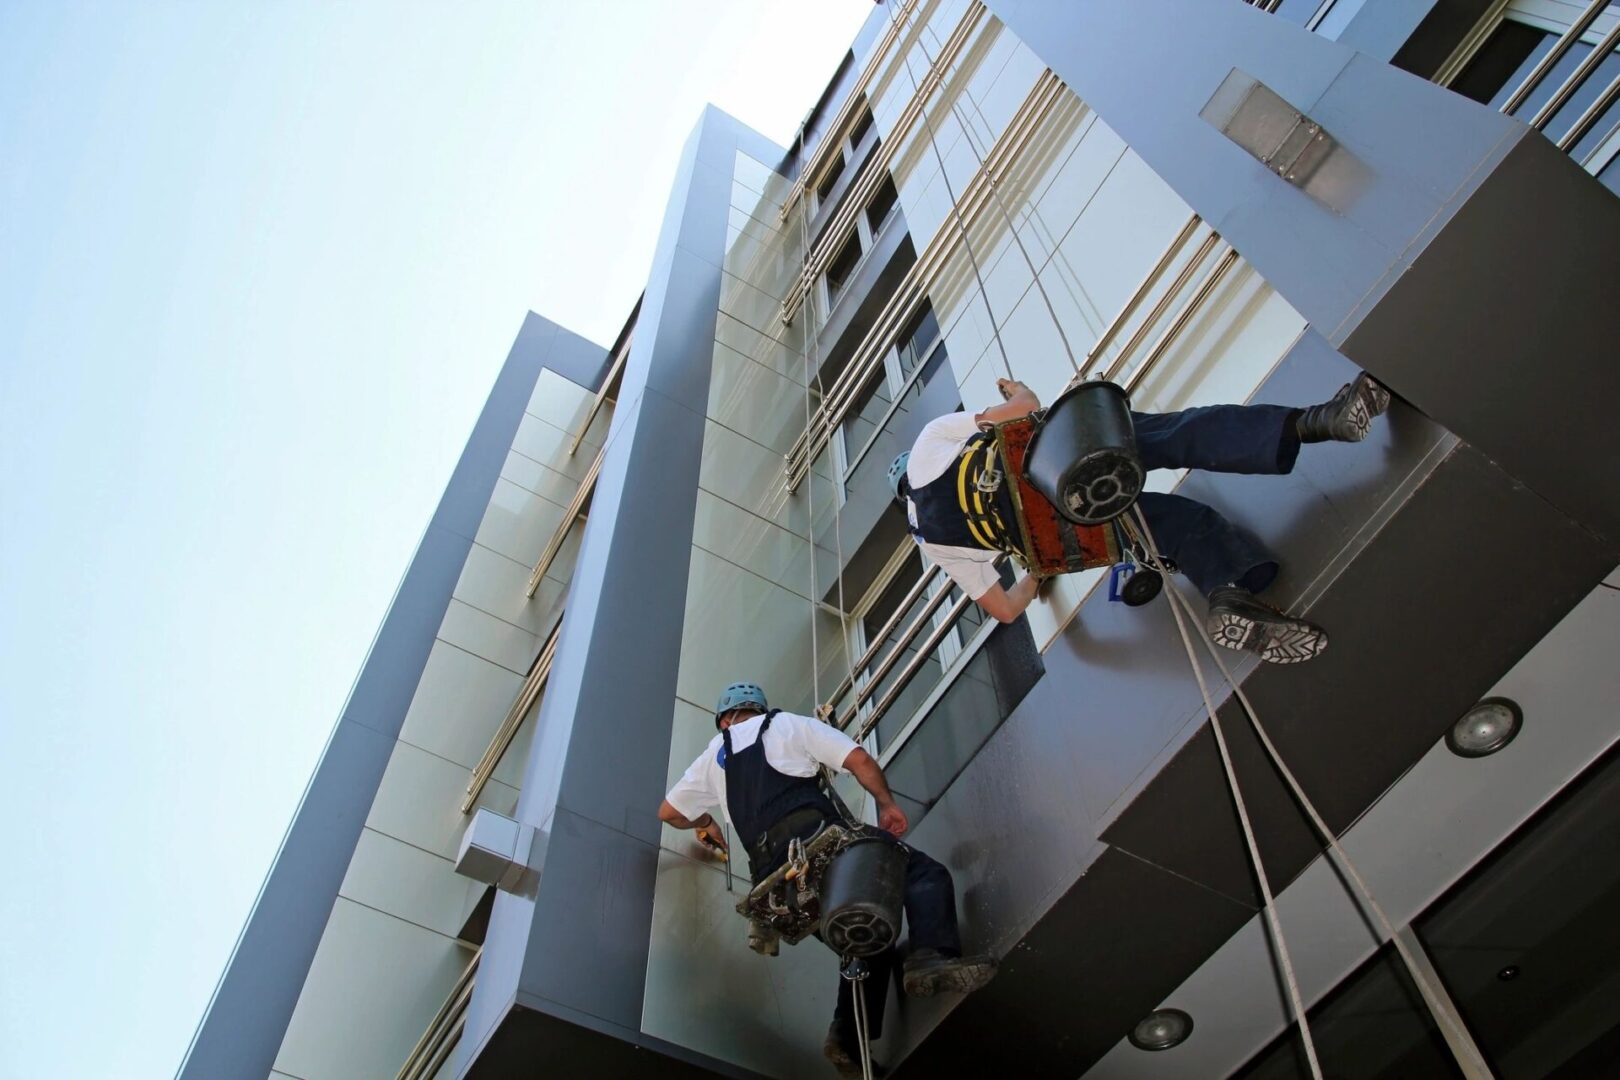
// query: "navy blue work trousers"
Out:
[1253,439]
[930,904]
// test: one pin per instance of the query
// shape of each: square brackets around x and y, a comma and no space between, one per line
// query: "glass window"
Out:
[1566,116]
[842,265]
[862,126]
[1502,62]
[917,338]
[882,204]
[1610,176]
[1527,942]
[835,169]
[876,418]
[926,676]
[1374,1026]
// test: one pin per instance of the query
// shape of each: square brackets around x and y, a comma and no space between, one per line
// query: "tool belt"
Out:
[1045,543]
[796,823]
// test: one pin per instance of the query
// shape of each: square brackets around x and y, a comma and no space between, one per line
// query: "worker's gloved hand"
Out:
[711,835]
[892,819]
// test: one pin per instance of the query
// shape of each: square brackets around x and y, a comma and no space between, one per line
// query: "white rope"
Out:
[857,987]
[995,192]
[1273,923]
[956,211]
[809,327]
[1434,997]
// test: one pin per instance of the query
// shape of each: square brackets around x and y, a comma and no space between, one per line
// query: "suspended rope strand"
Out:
[809,380]
[1273,922]
[995,193]
[1462,1045]
[956,211]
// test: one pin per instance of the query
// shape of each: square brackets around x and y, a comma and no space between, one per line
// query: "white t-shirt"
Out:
[794,746]
[937,448]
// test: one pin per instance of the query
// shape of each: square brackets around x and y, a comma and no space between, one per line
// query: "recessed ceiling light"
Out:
[1485,728]
[1161,1029]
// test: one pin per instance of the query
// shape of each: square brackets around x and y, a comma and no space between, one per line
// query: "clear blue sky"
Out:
[259,264]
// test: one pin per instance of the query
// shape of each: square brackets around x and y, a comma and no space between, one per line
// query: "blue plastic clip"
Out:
[1118,573]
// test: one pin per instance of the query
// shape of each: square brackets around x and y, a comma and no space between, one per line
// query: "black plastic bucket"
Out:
[861,895]
[1083,456]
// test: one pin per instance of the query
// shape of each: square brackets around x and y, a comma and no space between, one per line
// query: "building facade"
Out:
[1206,201]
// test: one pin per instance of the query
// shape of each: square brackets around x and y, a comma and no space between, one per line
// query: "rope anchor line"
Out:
[1464,1051]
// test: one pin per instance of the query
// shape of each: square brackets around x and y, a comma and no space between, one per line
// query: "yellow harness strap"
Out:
[982,519]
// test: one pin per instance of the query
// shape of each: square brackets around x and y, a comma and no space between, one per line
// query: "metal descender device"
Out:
[786,906]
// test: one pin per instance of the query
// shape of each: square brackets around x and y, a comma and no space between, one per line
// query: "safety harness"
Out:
[970,503]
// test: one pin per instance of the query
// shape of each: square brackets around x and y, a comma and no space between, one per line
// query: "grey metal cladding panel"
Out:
[1505,328]
[587,948]
[382,694]
[1425,620]
[532,1038]
[1382,27]
[1102,958]
[618,757]
[1419,143]
[680,315]
[466,497]
[577,359]
[247,1018]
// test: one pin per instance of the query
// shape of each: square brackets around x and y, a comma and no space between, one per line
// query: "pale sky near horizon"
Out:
[259,265]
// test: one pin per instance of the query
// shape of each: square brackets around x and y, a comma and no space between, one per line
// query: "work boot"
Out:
[843,1050]
[1345,417]
[929,972]
[1239,620]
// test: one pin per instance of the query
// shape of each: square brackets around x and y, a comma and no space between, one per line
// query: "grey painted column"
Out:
[577,950]
[1469,267]
[241,1032]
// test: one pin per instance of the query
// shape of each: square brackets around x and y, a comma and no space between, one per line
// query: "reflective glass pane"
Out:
[1373,1026]
[1502,62]
[1527,943]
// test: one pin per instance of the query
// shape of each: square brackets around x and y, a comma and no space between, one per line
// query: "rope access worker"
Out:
[762,768]
[1226,564]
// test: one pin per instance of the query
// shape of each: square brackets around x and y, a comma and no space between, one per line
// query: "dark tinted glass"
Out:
[1502,62]
[1541,909]
[1373,1026]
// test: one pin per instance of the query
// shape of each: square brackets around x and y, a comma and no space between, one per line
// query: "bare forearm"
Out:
[1022,594]
[671,816]
[869,774]
[1005,605]
[1021,404]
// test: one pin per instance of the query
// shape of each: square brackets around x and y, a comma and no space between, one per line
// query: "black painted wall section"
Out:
[247,1018]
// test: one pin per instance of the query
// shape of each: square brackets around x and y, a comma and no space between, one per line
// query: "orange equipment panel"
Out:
[1051,545]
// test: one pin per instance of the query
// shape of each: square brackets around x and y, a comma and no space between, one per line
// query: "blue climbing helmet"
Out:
[736,696]
[897,472]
